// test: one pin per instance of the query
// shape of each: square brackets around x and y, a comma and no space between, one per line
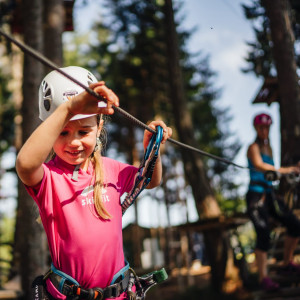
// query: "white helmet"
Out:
[55,89]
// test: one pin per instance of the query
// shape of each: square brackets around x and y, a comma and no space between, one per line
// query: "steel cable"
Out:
[37,55]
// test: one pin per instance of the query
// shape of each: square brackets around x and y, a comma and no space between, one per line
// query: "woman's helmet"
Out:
[262,119]
[56,89]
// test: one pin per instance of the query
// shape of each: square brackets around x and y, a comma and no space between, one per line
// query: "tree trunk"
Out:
[54,21]
[284,55]
[193,165]
[30,239]
[206,203]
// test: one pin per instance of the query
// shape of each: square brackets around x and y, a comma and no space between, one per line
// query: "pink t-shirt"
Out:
[83,246]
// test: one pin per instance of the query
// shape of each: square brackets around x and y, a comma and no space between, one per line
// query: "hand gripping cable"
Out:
[146,168]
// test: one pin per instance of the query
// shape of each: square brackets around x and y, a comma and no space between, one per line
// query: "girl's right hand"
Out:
[84,103]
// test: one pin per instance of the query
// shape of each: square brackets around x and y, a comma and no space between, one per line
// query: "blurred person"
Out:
[262,205]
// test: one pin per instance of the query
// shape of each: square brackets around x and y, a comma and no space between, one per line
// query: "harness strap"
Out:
[260,183]
[75,173]
[146,168]
[121,274]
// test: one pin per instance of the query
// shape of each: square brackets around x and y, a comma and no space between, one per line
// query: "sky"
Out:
[222,33]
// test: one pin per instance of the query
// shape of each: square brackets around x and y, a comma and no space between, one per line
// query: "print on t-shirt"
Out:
[87,196]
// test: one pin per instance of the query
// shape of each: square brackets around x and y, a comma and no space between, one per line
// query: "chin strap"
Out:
[145,171]
[75,173]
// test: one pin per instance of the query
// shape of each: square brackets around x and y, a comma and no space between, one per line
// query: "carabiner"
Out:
[154,142]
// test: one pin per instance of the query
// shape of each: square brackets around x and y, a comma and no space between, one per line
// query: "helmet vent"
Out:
[90,79]
[48,93]
[47,104]
[45,85]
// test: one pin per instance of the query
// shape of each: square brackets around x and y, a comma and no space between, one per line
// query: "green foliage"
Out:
[260,59]
[229,199]
[7,111]
[6,8]
[6,241]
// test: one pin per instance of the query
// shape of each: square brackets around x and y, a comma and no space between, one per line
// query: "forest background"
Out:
[143,54]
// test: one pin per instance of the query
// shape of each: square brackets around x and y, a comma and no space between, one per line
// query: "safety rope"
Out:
[40,57]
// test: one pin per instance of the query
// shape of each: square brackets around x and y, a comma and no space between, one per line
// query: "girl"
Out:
[260,203]
[78,191]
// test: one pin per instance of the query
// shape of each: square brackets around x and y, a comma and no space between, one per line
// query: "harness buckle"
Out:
[113,291]
[49,272]
[100,293]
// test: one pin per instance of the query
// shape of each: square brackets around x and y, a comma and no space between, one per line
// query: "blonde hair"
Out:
[97,162]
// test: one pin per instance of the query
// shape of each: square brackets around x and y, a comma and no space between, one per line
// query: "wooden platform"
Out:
[290,286]
[12,289]
[9,294]
[290,293]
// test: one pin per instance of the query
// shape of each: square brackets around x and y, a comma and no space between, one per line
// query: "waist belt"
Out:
[68,286]
[260,183]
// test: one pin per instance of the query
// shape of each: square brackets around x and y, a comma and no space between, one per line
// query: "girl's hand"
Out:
[167,132]
[84,103]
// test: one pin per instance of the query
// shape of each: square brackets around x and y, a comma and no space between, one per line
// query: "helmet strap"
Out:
[262,142]
[75,173]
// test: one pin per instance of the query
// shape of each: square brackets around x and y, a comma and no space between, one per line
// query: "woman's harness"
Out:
[126,278]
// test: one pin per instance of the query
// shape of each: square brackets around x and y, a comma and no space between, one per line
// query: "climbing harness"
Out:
[145,171]
[68,286]
[123,281]
[290,196]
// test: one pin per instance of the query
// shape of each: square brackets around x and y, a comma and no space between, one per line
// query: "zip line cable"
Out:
[37,55]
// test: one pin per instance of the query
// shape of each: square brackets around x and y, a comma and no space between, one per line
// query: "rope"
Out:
[37,55]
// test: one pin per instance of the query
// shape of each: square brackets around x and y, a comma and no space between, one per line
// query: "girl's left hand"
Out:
[167,132]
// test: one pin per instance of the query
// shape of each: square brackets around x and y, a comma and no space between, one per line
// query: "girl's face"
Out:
[77,141]
[262,131]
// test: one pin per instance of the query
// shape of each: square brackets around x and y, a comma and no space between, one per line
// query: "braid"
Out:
[97,162]
[99,185]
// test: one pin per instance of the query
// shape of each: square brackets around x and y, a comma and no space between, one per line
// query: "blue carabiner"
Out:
[153,147]
[157,138]
[145,170]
